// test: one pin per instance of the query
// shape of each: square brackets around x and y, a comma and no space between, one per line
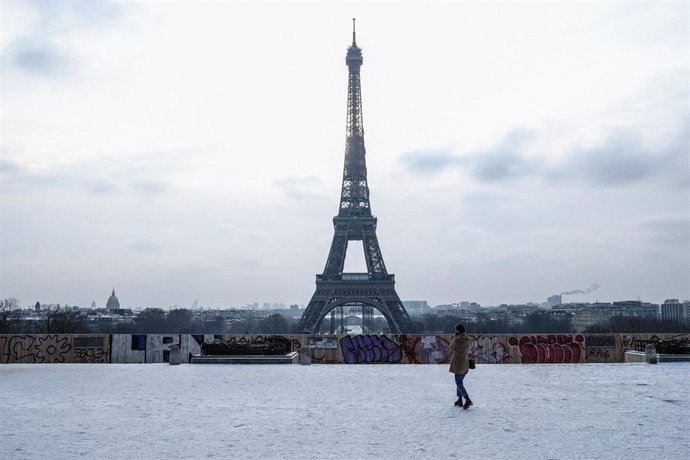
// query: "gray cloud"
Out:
[39,58]
[36,52]
[60,14]
[102,187]
[88,177]
[506,160]
[8,167]
[299,188]
[145,173]
[23,178]
[502,166]
[502,161]
[429,162]
[145,246]
[622,158]
[150,187]
[673,230]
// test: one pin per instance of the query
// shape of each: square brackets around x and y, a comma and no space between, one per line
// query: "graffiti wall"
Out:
[54,348]
[330,349]
[548,349]
[601,348]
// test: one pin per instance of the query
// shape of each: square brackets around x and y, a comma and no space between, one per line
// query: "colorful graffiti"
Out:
[434,349]
[549,349]
[408,345]
[361,349]
[488,350]
[423,349]
[329,349]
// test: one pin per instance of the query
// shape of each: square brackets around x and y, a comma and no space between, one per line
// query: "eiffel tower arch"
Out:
[375,289]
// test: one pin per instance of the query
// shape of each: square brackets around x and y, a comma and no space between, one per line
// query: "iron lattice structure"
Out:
[355,222]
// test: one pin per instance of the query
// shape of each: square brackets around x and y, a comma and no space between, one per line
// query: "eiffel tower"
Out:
[336,291]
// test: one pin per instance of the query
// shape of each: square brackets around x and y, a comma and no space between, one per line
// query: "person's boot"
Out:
[468,403]
[459,401]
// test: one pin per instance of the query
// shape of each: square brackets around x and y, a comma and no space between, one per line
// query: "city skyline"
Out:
[281,305]
[193,152]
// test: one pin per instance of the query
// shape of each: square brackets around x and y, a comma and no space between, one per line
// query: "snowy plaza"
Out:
[334,411]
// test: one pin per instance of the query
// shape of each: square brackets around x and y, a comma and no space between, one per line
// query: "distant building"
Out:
[672,310]
[637,308]
[466,305]
[113,302]
[554,300]
[520,309]
[588,315]
[447,308]
[113,306]
[417,307]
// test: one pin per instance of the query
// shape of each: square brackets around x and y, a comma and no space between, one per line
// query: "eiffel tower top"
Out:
[354,200]
[354,53]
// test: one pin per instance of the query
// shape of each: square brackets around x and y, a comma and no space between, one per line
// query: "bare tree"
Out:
[9,314]
[63,320]
[151,321]
[274,324]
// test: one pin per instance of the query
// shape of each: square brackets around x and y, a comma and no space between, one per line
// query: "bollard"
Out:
[650,354]
[305,355]
[175,357]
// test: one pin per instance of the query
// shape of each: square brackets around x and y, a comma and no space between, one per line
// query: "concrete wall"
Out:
[354,349]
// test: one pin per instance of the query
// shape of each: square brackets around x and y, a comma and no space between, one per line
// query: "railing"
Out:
[356,277]
[669,346]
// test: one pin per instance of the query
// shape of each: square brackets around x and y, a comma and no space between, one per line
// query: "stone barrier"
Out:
[305,355]
[175,357]
[650,354]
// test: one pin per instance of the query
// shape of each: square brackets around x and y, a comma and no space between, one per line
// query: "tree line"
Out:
[72,320]
[51,319]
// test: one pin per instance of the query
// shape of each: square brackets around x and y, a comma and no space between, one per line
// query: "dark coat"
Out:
[459,346]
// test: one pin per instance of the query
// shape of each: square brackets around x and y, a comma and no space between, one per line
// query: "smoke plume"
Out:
[592,287]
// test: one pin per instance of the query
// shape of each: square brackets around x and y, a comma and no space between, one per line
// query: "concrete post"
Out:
[650,354]
[305,355]
[175,357]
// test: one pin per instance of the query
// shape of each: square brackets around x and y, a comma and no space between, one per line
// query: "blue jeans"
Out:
[461,388]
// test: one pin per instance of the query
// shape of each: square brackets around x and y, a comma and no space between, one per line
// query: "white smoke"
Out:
[592,287]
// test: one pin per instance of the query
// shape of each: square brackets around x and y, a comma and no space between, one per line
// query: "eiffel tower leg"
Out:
[372,253]
[336,256]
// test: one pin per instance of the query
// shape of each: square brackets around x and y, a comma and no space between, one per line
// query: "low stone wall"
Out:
[328,349]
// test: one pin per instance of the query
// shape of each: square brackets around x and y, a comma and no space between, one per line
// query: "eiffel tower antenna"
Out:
[374,290]
[354,41]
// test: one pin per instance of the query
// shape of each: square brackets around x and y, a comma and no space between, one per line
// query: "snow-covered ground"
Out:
[320,411]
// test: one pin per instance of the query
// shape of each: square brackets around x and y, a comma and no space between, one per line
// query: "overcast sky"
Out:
[193,150]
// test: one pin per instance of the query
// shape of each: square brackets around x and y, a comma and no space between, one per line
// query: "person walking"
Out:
[459,364]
